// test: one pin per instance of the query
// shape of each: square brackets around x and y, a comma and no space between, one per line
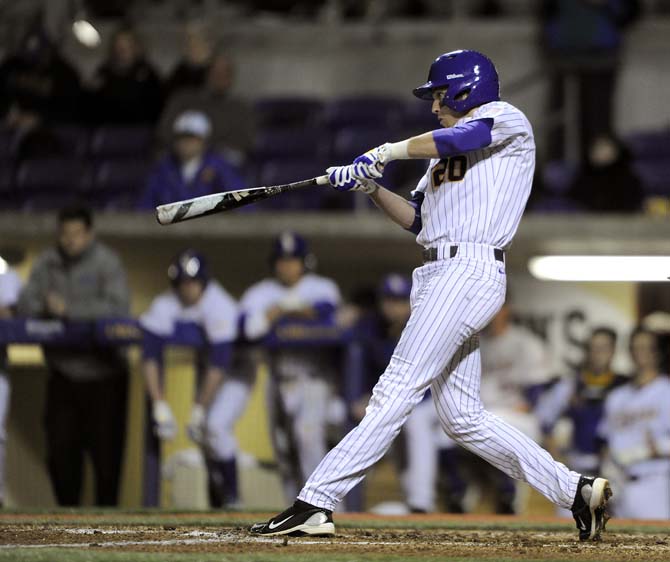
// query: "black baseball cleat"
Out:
[298,520]
[589,506]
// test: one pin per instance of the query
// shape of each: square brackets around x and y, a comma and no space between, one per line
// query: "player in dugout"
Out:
[222,397]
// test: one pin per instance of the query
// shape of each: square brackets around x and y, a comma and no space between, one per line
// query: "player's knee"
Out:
[461,425]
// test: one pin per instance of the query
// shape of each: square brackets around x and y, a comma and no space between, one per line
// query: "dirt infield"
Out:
[531,544]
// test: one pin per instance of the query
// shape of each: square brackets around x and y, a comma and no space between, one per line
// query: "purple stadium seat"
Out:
[556,204]
[651,145]
[418,118]
[288,112]
[655,176]
[291,143]
[558,176]
[370,111]
[116,183]
[49,175]
[353,141]
[74,139]
[280,171]
[119,141]
[7,144]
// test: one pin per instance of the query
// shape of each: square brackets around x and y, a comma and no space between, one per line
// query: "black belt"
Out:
[430,254]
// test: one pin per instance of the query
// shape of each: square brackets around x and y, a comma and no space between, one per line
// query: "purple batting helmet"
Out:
[462,72]
[188,265]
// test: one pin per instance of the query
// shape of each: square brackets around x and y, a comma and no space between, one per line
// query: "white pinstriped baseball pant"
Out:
[452,300]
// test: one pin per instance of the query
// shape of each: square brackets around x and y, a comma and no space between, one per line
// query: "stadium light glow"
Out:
[86,33]
[600,268]
[3,266]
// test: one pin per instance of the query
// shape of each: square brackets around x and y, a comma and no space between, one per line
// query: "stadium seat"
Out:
[7,144]
[8,195]
[291,143]
[352,141]
[655,176]
[117,141]
[651,145]
[288,112]
[558,176]
[418,118]
[371,111]
[49,176]
[280,171]
[116,183]
[555,204]
[74,139]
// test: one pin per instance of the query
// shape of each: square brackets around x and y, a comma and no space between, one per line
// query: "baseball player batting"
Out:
[465,211]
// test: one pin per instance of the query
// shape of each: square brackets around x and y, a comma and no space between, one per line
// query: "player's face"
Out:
[644,352]
[601,353]
[189,291]
[395,310]
[74,237]
[447,117]
[187,147]
[289,270]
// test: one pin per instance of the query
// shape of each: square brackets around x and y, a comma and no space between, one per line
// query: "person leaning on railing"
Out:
[81,279]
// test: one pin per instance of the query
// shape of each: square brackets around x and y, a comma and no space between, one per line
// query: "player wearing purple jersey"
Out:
[465,212]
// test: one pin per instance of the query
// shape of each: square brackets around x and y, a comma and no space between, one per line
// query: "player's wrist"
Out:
[397,150]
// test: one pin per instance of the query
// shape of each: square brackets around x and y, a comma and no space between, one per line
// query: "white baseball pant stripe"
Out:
[452,300]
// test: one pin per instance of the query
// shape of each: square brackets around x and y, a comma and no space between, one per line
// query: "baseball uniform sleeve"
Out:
[160,318]
[254,305]
[10,288]
[220,314]
[660,426]
[507,122]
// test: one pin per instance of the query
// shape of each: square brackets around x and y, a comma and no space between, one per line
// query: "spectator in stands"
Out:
[81,279]
[10,286]
[232,118]
[192,169]
[36,76]
[33,137]
[607,180]
[191,70]
[125,88]
[582,40]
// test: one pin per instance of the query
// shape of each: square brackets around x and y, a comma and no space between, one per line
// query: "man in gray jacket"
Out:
[81,279]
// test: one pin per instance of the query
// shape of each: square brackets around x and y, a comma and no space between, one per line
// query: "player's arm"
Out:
[441,143]
[165,424]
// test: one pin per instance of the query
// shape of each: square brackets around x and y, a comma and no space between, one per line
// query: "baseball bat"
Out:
[187,209]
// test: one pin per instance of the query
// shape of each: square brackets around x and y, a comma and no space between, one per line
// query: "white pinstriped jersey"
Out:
[480,196]
[216,312]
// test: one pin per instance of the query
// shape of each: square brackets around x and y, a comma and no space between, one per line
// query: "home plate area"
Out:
[486,542]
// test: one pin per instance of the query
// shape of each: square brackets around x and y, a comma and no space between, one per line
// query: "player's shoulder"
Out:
[216,293]
[315,282]
[105,253]
[503,114]
[167,300]
[661,385]
[261,289]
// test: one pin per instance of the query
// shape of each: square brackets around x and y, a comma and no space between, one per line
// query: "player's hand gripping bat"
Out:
[187,209]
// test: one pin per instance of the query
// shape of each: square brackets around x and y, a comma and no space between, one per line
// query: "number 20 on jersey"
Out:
[452,168]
